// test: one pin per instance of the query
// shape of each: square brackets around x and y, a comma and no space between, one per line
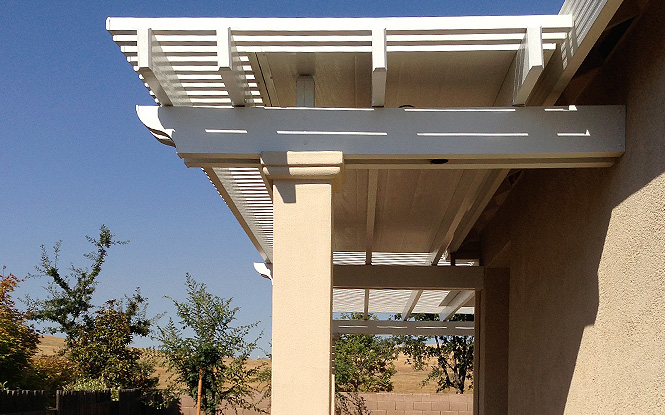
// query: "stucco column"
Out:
[302,185]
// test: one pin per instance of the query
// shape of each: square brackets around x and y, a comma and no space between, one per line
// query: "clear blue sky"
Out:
[73,154]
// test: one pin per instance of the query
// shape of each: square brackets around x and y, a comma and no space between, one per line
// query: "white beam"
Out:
[538,133]
[415,328]
[379,67]
[407,277]
[493,180]
[455,304]
[530,64]
[305,91]
[449,298]
[157,72]
[230,69]
[264,270]
[411,304]
[462,201]
[372,189]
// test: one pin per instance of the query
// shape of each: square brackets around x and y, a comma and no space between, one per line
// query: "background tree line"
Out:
[201,348]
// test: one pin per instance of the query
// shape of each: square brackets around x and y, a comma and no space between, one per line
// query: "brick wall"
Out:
[419,403]
[188,407]
[391,404]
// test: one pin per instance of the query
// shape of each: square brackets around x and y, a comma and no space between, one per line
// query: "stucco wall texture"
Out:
[586,251]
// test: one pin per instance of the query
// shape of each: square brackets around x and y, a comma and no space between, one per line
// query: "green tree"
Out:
[97,338]
[69,303]
[102,351]
[449,359]
[216,351]
[18,339]
[364,363]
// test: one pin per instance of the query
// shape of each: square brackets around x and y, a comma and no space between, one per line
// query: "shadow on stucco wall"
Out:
[581,235]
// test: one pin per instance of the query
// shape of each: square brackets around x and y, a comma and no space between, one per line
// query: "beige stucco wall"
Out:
[586,251]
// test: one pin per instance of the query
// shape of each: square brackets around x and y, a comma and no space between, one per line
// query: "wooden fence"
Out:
[21,402]
[85,403]
[130,402]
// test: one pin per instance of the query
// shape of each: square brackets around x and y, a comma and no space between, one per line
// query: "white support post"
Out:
[530,64]
[379,67]
[157,72]
[230,69]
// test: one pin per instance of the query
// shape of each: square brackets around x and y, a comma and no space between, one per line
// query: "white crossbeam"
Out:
[379,67]
[156,71]
[411,304]
[414,328]
[230,69]
[408,277]
[509,135]
[455,304]
[530,64]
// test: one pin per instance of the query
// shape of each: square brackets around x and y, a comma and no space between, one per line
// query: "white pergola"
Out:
[409,132]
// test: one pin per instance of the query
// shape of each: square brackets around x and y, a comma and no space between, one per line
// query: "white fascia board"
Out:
[319,25]
[550,133]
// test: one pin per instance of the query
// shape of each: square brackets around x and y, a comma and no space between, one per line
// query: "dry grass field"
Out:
[406,380]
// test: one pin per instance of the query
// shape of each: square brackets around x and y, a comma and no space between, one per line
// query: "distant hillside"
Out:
[406,380]
[49,345]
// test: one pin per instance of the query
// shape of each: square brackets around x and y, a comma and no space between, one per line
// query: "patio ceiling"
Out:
[405,213]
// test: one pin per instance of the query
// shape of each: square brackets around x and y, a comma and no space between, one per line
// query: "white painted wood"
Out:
[411,304]
[305,91]
[449,297]
[157,74]
[387,133]
[530,64]
[264,270]
[379,67]
[415,328]
[463,199]
[455,304]
[372,189]
[484,194]
[201,45]
[253,212]
[591,18]
[407,277]
[343,25]
[230,69]
[191,48]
